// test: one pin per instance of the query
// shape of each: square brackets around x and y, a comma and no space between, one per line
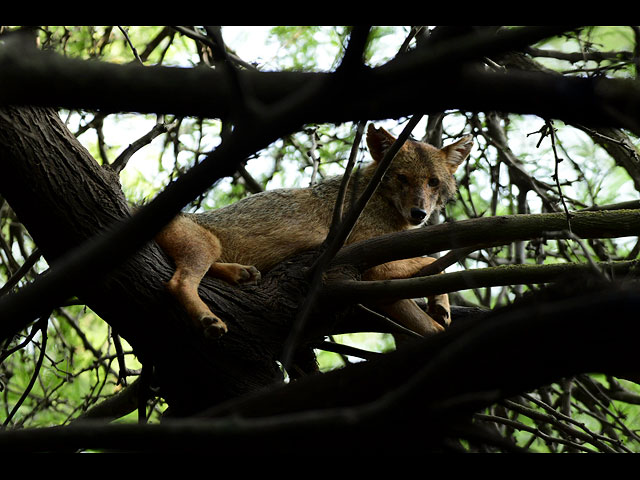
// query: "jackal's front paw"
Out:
[212,327]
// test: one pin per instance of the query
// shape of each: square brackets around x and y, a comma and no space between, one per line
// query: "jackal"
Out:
[237,242]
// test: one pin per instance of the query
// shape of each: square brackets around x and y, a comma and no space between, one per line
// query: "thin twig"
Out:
[534,431]
[42,326]
[133,49]
[605,408]
[121,161]
[344,350]
[556,176]
[7,353]
[447,260]
[560,420]
[188,32]
[338,209]
[415,30]
[21,272]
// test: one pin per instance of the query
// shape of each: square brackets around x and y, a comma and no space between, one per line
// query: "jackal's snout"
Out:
[417,215]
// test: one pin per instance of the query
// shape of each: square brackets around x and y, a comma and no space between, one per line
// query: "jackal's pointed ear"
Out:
[457,152]
[378,141]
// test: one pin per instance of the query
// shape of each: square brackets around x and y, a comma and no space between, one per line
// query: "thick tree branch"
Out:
[478,231]
[431,387]
[400,88]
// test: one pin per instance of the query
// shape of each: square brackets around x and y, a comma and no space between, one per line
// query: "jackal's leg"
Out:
[407,312]
[194,251]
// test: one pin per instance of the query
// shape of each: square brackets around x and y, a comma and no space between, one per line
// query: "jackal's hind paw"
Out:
[440,313]
[248,275]
[212,327]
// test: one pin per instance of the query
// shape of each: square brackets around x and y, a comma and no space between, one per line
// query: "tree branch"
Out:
[50,80]
[478,231]
[381,290]
[427,387]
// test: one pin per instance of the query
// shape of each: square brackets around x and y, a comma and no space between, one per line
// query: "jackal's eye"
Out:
[403,178]
[433,182]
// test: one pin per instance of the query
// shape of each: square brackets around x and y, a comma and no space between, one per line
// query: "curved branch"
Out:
[381,290]
[490,230]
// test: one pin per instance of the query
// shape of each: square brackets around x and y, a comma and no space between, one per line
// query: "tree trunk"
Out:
[65,199]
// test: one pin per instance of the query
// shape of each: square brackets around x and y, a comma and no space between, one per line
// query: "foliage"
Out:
[83,362]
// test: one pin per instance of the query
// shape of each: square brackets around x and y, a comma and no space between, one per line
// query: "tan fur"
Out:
[236,242]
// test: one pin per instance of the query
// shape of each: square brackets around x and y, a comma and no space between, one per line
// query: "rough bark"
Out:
[65,198]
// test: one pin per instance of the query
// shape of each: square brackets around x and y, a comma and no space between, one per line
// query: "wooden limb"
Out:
[368,291]
[479,231]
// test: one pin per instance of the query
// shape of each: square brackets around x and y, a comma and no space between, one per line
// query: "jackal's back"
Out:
[265,228]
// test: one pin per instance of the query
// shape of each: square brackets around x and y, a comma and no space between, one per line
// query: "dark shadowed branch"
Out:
[399,87]
[431,388]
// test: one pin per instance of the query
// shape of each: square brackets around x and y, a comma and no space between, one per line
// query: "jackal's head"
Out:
[420,177]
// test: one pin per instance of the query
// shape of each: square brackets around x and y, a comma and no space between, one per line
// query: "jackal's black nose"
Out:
[418,214]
